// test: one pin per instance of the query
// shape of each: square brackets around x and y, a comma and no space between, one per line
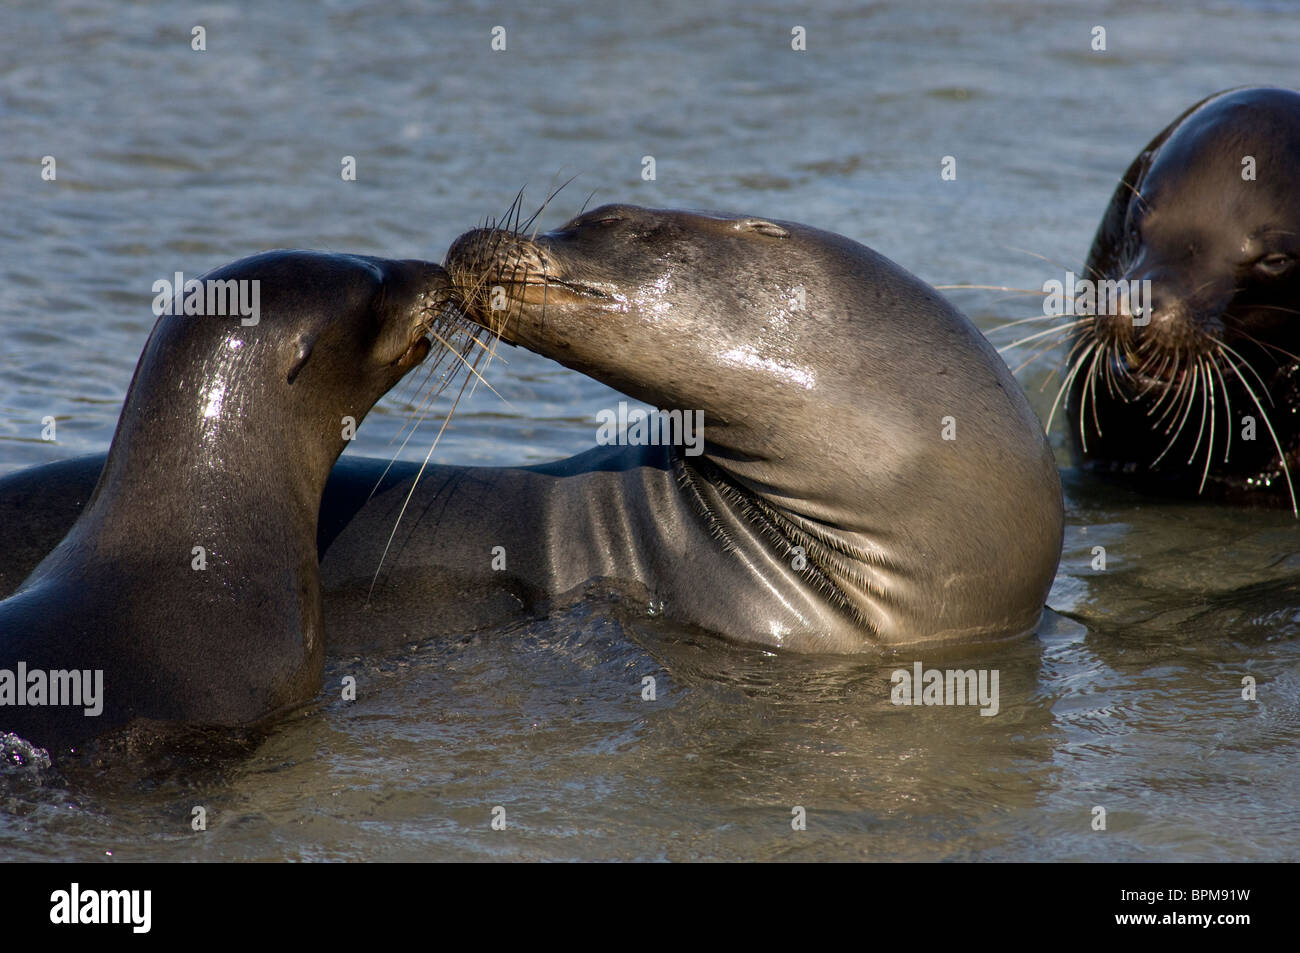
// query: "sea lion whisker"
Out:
[1295,511]
[1209,447]
[1092,386]
[1113,387]
[1249,367]
[549,198]
[1048,378]
[1182,421]
[491,351]
[1063,329]
[1034,254]
[449,317]
[1069,358]
[472,369]
[419,416]
[1030,320]
[1084,402]
[1154,375]
[1227,403]
[1023,291]
[512,214]
[1200,433]
[1173,394]
[1043,349]
[422,411]
[411,398]
[1074,370]
[1271,347]
[1136,194]
[414,483]
[1181,397]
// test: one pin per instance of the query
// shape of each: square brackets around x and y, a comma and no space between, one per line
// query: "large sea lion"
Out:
[1199,393]
[827,511]
[871,475]
[187,591]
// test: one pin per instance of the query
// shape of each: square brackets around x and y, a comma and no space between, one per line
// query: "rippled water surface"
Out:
[170,159]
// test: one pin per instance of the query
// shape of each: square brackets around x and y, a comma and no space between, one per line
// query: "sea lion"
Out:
[1200,393]
[188,591]
[870,476]
[827,512]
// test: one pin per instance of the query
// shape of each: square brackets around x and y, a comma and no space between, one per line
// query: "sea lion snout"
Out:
[416,295]
[1155,308]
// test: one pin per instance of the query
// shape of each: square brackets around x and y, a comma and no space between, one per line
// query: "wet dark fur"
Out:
[1161,406]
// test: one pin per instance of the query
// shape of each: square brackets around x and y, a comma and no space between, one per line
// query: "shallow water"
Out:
[1129,699]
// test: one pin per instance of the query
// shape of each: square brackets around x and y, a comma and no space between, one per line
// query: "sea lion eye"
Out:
[603,220]
[1274,265]
[770,229]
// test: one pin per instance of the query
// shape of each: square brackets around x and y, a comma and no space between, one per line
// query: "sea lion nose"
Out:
[1155,301]
[1160,303]
[417,277]
[468,247]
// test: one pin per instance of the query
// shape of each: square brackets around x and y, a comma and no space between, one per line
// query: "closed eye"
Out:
[601,218]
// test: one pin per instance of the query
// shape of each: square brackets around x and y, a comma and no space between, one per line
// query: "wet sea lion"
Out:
[1199,394]
[871,475]
[187,591]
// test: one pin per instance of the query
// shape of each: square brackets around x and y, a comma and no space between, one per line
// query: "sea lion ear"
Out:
[762,227]
[305,344]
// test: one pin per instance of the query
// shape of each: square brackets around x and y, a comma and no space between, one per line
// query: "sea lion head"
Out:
[1206,225]
[297,342]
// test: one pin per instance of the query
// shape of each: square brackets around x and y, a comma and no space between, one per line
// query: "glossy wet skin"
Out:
[1162,405]
[336,333]
[824,373]
[226,438]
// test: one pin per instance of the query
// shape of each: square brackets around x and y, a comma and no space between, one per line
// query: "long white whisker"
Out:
[1089,381]
[1227,406]
[1249,367]
[1209,448]
[1295,511]
[1074,369]
[1055,331]
[1191,395]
